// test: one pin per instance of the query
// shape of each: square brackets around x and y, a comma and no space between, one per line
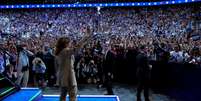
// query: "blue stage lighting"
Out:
[117,4]
[101,4]
[128,4]
[97,4]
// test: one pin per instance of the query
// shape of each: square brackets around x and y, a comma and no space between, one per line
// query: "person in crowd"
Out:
[39,69]
[177,55]
[108,69]
[99,62]
[13,56]
[48,59]
[6,58]
[66,74]
[80,70]
[10,73]
[85,73]
[23,66]
[196,56]
[92,72]
[143,73]
[2,68]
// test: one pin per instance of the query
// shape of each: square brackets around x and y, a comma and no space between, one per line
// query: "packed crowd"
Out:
[167,34]
[130,21]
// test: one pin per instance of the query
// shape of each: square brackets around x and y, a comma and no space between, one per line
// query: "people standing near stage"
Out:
[39,69]
[66,74]
[108,69]
[143,73]
[48,59]
[23,65]
[2,68]
[10,73]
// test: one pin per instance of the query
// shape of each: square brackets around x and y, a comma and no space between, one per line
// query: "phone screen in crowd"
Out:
[95,33]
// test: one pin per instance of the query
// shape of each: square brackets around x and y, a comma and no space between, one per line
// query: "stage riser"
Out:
[35,94]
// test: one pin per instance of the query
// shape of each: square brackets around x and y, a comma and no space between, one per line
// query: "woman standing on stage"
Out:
[64,64]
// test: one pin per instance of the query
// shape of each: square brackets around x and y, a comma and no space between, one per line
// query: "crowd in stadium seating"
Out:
[167,34]
[113,21]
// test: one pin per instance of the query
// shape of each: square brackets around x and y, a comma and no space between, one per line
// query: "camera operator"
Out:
[39,69]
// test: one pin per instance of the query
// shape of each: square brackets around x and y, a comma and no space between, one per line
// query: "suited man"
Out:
[143,73]
[108,69]
[48,59]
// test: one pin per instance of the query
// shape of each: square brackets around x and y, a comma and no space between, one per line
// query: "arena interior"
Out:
[112,50]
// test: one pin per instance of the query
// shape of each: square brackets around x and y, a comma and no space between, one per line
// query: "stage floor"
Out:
[25,94]
[35,94]
[80,98]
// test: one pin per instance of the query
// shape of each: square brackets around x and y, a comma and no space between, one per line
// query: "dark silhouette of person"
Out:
[143,73]
[108,70]
[49,62]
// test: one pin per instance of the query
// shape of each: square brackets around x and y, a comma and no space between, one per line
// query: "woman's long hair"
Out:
[61,44]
